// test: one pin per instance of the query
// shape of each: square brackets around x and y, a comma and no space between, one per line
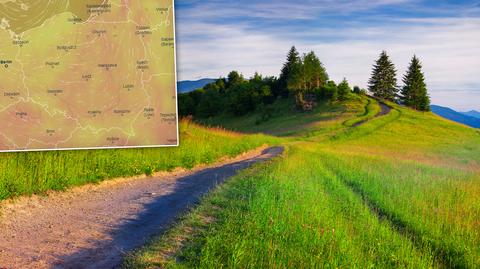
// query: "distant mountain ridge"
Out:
[472,113]
[191,85]
[453,115]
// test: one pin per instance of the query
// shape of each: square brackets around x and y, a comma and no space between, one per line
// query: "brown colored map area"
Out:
[26,14]
[87,74]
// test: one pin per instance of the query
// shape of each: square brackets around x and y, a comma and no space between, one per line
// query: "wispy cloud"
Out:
[215,38]
[284,10]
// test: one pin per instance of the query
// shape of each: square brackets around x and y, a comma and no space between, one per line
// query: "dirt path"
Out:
[384,110]
[92,226]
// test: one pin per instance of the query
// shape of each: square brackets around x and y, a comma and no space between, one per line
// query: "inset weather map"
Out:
[87,74]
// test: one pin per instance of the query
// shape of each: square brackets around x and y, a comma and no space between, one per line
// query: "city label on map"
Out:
[87,74]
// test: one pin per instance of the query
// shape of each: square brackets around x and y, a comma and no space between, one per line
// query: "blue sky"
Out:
[215,37]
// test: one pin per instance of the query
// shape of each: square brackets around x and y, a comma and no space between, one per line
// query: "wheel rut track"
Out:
[385,109]
[404,228]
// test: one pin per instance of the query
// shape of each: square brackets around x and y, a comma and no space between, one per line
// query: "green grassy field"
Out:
[38,172]
[401,190]
[284,119]
[289,124]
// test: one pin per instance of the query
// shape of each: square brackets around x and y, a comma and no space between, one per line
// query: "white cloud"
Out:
[449,49]
[284,9]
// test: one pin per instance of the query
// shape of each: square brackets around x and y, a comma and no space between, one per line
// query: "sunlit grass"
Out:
[37,172]
[294,213]
[401,190]
[371,109]
[286,120]
[421,173]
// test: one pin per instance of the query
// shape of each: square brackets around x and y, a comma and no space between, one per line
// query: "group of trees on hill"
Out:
[305,79]
[302,77]
[233,94]
[383,83]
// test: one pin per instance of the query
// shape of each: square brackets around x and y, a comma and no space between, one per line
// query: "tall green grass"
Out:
[401,190]
[37,172]
[437,207]
[293,213]
[372,108]
[422,174]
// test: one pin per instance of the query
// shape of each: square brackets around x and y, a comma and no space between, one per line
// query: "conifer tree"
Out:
[343,89]
[301,75]
[293,59]
[414,92]
[296,82]
[383,83]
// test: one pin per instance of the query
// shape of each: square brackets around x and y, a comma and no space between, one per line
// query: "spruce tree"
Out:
[414,92]
[383,83]
[343,90]
[296,82]
[293,59]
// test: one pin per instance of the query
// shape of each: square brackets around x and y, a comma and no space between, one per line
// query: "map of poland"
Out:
[78,74]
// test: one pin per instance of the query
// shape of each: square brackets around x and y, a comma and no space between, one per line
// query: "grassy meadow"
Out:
[286,122]
[38,172]
[401,190]
[283,119]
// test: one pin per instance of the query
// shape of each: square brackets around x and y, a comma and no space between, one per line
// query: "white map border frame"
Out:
[129,147]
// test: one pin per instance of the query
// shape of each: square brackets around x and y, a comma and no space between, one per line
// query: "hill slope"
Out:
[400,190]
[453,115]
[472,113]
[191,85]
